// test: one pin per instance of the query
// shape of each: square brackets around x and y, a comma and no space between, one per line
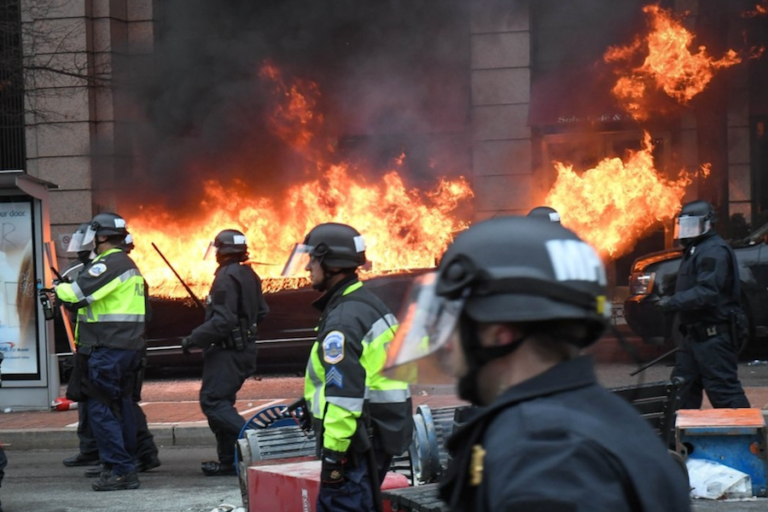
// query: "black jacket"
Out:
[236,288]
[561,442]
[707,287]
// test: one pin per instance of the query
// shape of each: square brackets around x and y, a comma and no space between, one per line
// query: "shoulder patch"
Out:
[97,269]
[333,347]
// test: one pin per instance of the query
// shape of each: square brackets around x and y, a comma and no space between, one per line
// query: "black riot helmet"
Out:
[515,270]
[695,220]
[334,245]
[229,242]
[546,213]
[105,224]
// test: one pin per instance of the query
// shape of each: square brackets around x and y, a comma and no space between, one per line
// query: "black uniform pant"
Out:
[224,371]
[709,365]
[146,449]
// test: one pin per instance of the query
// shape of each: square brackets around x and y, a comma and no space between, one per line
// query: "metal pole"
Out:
[186,287]
[651,363]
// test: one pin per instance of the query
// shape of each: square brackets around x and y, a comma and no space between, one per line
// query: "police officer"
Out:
[546,213]
[146,455]
[110,297]
[234,308]
[707,297]
[512,304]
[362,419]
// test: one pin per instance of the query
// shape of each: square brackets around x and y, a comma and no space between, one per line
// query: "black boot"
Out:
[82,460]
[113,482]
[215,468]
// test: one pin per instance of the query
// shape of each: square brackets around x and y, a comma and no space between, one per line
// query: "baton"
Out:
[651,363]
[186,287]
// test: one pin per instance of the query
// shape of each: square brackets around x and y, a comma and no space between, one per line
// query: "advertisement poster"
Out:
[18,292]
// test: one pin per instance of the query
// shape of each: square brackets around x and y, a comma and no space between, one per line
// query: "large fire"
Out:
[668,64]
[403,227]
[616,203]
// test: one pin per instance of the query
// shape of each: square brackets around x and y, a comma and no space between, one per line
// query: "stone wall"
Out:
[83,51]
[501,92]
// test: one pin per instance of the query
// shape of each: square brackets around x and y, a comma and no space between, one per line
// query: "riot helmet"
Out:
[695,220]
[229,242]
[546,213]
[515,270]
[105,224]
[76,240]
[334,245]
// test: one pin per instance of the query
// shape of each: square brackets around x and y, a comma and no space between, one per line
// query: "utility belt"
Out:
[701,331]
[239,337]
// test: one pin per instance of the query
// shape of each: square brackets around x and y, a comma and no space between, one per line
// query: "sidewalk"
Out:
[182,423]
[173,423]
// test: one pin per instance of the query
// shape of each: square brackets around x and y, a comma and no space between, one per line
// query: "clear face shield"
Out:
[210,252]
[89,236]
[297,261]
[76,242]
[423,350]
[690,227]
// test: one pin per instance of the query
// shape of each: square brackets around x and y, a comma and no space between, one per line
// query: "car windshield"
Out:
[756,236]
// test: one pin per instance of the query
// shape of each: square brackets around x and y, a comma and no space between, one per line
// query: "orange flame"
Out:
[669,65]
[404,228]
[616,203]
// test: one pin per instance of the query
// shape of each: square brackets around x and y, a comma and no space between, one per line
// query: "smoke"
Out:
[387,72]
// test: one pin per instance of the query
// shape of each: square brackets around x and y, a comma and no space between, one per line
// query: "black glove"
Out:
[663,304]
[332,471]
[298,411]
[186,344]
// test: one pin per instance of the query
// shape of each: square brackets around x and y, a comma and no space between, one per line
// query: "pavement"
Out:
[173,422]
[170,399]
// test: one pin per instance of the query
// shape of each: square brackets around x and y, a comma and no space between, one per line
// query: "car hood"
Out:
[644,262]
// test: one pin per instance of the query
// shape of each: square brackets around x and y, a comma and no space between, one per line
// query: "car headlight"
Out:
[641,283]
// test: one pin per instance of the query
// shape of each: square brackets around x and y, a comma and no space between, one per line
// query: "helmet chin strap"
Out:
[477,357]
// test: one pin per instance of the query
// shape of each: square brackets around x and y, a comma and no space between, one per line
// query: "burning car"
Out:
[654,275]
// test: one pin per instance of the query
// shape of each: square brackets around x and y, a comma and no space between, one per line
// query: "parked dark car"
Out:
[285,337]
[654,275]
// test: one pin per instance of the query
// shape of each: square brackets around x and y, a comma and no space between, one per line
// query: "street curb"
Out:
[59,438]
